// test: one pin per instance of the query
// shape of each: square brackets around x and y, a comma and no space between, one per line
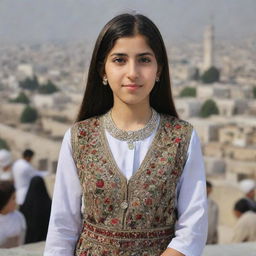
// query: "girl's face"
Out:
[131,70]
[10,206]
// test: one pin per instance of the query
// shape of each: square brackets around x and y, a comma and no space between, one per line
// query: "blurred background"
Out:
[45,50]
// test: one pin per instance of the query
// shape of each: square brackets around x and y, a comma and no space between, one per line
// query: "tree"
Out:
[29,84]
[211,75]
[3,144]
[48,88]
[209,108]
[61,119]
[21,98]
[29,115]
[188,92]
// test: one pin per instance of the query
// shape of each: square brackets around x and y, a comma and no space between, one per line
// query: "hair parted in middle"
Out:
[98,99]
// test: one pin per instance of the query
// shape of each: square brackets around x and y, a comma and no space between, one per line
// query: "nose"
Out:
[132,72]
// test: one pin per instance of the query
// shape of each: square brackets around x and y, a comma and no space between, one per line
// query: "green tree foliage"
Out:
[48,88]
[188,92]
[254,92]
[61,119]
[29,115]
[209,108]
[3,144]
[33,85]
[21,98]
[29,84]
[211,75]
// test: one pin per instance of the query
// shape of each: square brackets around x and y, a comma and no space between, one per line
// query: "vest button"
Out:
[124,205]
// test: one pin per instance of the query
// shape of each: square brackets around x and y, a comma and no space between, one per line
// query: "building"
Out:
[208,48]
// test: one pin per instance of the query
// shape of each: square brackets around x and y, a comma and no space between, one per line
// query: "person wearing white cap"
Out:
[247,186]
[5,165]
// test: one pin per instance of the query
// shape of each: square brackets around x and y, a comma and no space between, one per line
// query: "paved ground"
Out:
[245,249]
[35,249]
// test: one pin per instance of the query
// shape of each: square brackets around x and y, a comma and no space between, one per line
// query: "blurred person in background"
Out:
[5,165]
[36,209]
[247,186]
[245,228]
[213,217]
[23,172]
[12,222]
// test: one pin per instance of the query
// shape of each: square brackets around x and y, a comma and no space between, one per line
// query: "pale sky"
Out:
[72,20]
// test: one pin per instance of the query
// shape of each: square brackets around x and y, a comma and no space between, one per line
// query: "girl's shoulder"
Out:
[89,122]
[84,127]
[175,122]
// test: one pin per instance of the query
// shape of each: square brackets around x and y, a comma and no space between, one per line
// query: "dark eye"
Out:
[144,60]
[119,60]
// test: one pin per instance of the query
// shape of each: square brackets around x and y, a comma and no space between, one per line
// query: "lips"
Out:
[132,85]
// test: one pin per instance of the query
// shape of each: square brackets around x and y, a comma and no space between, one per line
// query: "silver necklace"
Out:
[130,136]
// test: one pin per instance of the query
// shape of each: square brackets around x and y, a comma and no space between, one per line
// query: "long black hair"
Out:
[98,99]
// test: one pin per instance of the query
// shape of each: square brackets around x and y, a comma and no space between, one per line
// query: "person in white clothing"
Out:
[5,165]
[130,178]
[23,172]
[12,222]
[245,228]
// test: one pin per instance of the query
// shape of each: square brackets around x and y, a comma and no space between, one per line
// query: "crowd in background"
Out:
[25,204]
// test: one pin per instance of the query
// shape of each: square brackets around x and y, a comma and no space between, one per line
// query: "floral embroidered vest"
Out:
[134,217]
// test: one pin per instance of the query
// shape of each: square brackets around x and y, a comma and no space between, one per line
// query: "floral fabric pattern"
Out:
[145,203]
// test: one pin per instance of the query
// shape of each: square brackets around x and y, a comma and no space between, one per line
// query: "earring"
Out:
[157,79]
[105,80]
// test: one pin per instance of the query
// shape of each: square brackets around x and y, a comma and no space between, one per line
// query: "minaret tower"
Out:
[208,47]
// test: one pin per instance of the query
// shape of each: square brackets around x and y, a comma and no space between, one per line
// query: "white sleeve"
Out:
[192,224]
[35,172]
[32,172]
[65,221]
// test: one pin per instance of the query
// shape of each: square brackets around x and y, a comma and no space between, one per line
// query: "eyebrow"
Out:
[139,55]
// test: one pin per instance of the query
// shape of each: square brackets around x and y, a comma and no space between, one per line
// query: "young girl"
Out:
[130,178]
